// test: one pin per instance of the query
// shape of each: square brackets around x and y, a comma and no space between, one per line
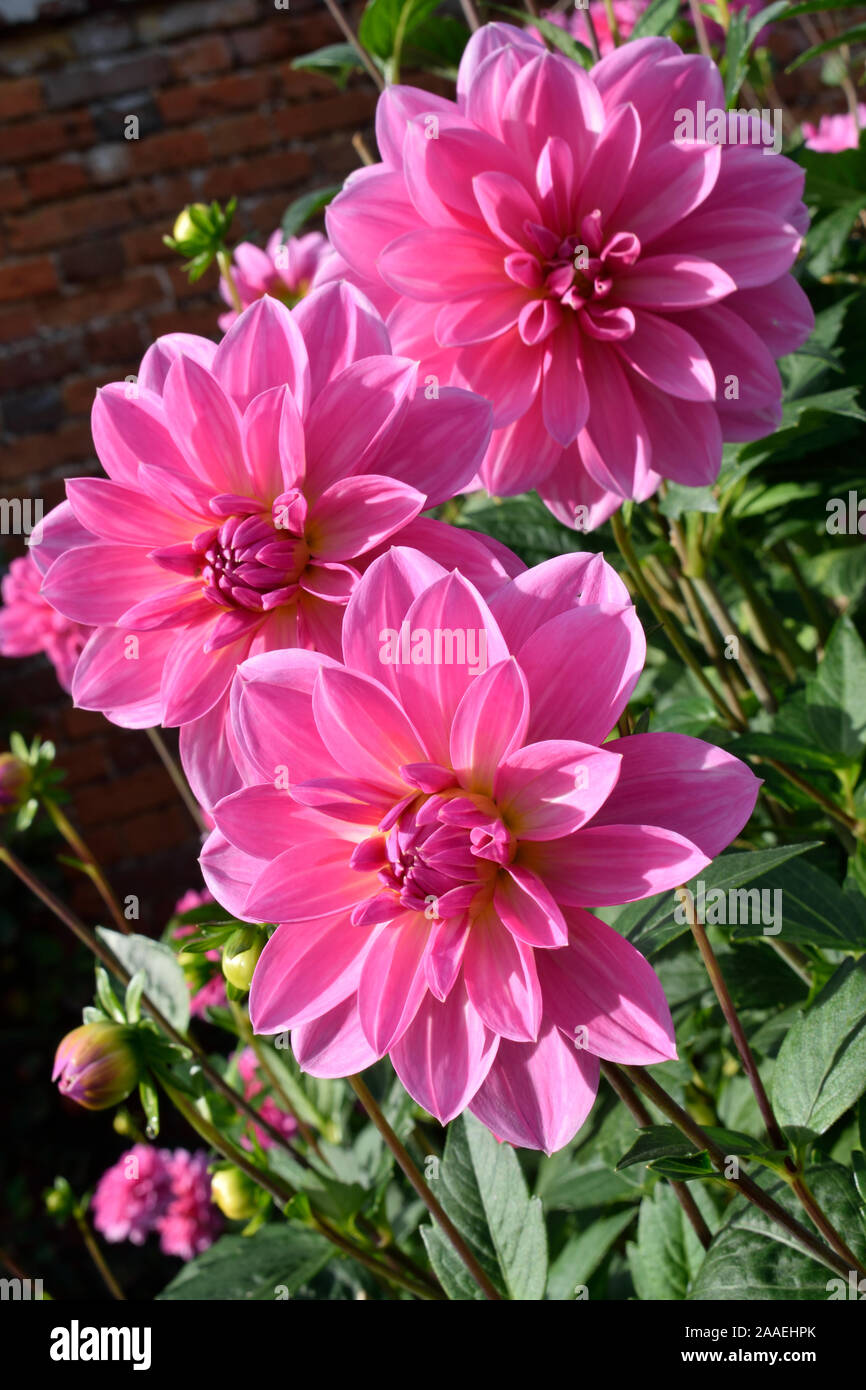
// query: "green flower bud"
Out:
[15,780]
[184,228]
[234,1193]
[240,954]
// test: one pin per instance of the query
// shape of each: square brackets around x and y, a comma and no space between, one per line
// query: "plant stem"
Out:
[717,979]
[98,1258]
[470,14]
[700,29]
[399,1151]
[612,24]
[676,640]
[743,1184]
[715,606]
[249,1037]
[177,778]
[642,1118]
[88,863]
[349,34]
[108,959]
[818,617]
[224,261]
[282,1193]
[593,36]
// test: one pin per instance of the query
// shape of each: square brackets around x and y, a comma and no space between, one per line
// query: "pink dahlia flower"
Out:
[285,270]
[248,1070]
[626,13]
[619,292]
[133,1194]
[249,485]
[449,825]
[190,1222]
[28,623]
[835,133]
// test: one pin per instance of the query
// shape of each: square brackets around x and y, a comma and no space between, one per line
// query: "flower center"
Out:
[437,854]
[580,269]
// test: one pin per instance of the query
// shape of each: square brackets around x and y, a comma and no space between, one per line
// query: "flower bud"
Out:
[96,1065]
[240,954]
[234,1193]
[184,228]
[15,779]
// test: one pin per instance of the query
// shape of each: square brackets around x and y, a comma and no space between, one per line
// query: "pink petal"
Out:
[119,674]
[380,604]
[354,514]
[339,326]
[228,873]
[353,416]
[272,713]
[312,880]
[537,1095]
[673,281]
[553,587]
[607,864]
[333,1045]
[439,443]
[434,266]
[444,1055]
[528,909]
[306,969]
[119,513]
[669,357]
[193,679]
[128,430]
[95,584]
[501,980]
[263,348]
[393,981]
[206,424]
[160,355]
[600,983]
[548,789]
[274,446]
[364,729]
[490,721]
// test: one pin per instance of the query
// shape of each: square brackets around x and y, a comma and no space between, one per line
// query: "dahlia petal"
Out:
[132,429]
[565,399]
[160,355]
[780,314]
[444,1055]
[545,87]
[667,183]
[373,210]
[116,512]
[520,454]
[430,266]
[685,436]
[95,584]
[674,281]
[506,371]
[209,755]
[264,815]
[528,909]
[614,443]
[685,784]
[312,879]
[393,981]
[274,448]
[334,1044]
[490,39]
[444,958]
[574,497]
[339,325]
[605,864]
[263,348]
[206,425]
[549,789]
[439,443]
[506,207]
[194,679]
[380,604]
[607,174]
[228,873]
[600,983]
[119,674]
[669,357]
[396,107]
[56,533]
[553,587]
[272,714]
[364,728]
[355,514]
[489,722]
[352,417]
[501,979]
[752,249]
[600,638]
[306,969]
[478,319]
[537,1096]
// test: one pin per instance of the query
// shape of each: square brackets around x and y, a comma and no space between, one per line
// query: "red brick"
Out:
[297,84]
[64,131]
[180,283]
[59,223]
[334,113]
[143,789]
[161,197]
[55,178]
[128,293]
[16,325]
[145,244]
[12,194]
[79,391]
[209,54]
[171,149]
[239,91]
[277,170]
[280,37]
[27,279]
[21,98]
[115,342]
[39,453]
[239,134]
[203,321]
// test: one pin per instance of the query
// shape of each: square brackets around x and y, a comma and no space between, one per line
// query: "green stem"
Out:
[612,24]
[98,1258]
[642,1118]
[349,34]
[177,777]
[224,261]
[249,1037]
[401,1154]
[89,865]
[743,1185]
[282,1193]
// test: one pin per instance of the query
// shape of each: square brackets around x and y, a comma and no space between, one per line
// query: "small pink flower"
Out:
[626,12]
[285,270]
[249,486]
[248,1069]
[447,826]
[618,293]
[29,624]
[191,1222]
[835,133]
[133,1194]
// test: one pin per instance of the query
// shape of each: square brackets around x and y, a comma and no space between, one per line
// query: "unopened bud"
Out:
[240,955]
[234,1193]
[184,228]
[15,778]
[96,1065]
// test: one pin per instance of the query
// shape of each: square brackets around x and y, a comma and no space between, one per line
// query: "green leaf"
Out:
[821,1066]
[274,1262]
[785,747]
[483,1191]
[582,1255]
[656,1142]
[336,60]
[656,19]
[753,1258]
[667,1254]
[386,25]
[815,910]
[834,693]
[855,35]
[164,981]
[302,209]
[828,235]
[651,924]
[678,499]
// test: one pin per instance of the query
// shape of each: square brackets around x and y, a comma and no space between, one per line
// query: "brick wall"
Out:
[86,284]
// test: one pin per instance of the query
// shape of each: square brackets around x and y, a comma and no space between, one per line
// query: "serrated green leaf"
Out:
[821,1067]
[815,910]
[271,1264]
[834,693]
[576,1263]
[165,984]
[667,1254]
